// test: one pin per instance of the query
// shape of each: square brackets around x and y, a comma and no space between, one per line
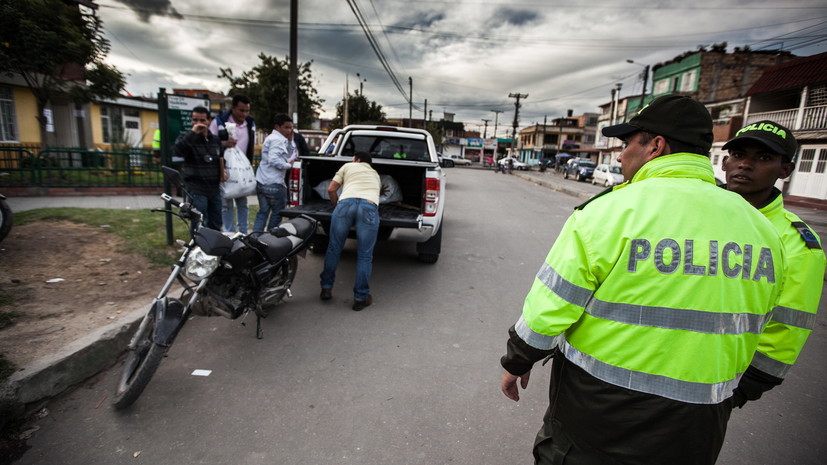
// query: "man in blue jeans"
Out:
[357,207]
[277,156]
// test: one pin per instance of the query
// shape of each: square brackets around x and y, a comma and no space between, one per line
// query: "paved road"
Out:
[411,380]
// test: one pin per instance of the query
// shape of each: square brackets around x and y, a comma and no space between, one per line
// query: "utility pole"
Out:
[518,96]
[496,117]
[485,130]
[645,81]
[293,91]
[410,103]
[425,115]
[543,140]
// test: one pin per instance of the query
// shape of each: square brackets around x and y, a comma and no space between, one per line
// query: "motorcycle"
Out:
[224,274]
[5,217]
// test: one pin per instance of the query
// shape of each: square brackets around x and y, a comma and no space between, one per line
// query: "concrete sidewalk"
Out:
[114,202]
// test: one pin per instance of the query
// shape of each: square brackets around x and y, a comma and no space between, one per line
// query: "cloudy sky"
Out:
[464,56]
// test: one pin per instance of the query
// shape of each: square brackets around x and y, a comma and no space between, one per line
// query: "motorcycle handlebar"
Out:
[187,210]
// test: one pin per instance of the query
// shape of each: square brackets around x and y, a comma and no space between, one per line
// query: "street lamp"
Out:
[645,80]
[361,83]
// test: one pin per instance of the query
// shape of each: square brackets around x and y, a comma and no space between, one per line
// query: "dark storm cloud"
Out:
[421,20]
[515,17]
[146,8]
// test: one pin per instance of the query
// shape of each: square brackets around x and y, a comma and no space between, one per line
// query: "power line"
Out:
[377,50]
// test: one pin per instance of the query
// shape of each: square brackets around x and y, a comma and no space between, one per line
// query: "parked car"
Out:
[458,160]
[517,164]
[579,169]
[607,175]
[444,162]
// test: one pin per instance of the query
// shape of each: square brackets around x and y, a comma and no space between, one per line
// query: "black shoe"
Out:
[360,304]
[326,294]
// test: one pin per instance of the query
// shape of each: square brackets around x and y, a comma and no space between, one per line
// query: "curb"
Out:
[555,186]
[74,363]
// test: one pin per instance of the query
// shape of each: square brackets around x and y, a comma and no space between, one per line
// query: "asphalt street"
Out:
[413,379]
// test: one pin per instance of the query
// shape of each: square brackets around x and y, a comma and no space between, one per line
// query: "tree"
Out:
[58,48]
[359,111]
[267,86]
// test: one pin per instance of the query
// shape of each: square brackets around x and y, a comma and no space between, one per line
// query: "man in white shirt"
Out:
[277,156]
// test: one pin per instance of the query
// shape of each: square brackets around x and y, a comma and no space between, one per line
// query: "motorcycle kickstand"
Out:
[259,315]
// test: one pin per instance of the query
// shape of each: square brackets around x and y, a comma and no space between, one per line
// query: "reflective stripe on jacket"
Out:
[794,317]
[662,286]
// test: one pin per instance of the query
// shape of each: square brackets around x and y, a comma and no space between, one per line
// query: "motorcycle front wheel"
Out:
[139,366]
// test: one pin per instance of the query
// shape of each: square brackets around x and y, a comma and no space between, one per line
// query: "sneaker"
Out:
[360,304]
[326,294]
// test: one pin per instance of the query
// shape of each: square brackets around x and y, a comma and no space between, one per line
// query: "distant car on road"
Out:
[606,175]
[458,160]
[444,162]
[517,164]
[579,169]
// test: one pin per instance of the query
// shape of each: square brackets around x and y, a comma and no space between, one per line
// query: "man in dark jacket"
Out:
[203,168]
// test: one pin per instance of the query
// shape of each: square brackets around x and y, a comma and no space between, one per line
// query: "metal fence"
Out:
[22,166]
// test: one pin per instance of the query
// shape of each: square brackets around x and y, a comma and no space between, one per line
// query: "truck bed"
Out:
[390,215]
[409,175]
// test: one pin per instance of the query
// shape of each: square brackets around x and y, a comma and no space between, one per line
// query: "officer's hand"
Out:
[224,176]
[509,384]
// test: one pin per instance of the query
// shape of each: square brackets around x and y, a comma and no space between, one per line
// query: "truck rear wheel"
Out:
[428,251]
[318,245]
[428,257]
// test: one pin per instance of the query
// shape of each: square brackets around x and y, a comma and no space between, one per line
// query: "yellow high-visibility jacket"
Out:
[663,286]
[794,317]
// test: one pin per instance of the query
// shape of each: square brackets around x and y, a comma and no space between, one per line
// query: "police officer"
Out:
[759,155]
[651,301]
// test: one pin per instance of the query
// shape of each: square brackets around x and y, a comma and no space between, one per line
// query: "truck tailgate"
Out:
[389,215]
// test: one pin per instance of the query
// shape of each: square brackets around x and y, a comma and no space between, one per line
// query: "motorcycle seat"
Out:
[298,227]
[276,248]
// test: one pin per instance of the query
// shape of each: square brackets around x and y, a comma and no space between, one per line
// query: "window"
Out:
[388,147]
[822,161]
[806,164]
[817,96]
[8,121]
[111,124]
[688,81]
[661,87]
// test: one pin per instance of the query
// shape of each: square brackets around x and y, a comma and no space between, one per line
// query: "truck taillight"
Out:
[431,196]
[294,186]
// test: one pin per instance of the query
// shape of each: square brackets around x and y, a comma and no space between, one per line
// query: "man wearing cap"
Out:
[759,155]
[635,304]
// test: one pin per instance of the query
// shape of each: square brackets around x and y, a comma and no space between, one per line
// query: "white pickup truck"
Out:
[406,160]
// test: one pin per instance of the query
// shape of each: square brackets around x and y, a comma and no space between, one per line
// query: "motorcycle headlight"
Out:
[199,265]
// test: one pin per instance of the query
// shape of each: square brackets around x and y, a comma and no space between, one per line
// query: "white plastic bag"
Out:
[390,188]
[241,180]
[321,189]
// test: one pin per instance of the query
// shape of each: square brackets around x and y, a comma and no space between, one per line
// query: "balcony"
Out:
[812,118]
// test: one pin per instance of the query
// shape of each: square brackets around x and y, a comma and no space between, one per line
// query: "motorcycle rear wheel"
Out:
[139,367]
[274,292]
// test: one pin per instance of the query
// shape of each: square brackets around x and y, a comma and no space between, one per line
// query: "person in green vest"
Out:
[156,146]
[759,155]
[651,302]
